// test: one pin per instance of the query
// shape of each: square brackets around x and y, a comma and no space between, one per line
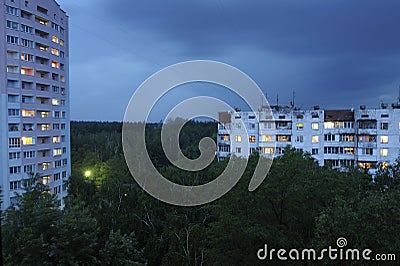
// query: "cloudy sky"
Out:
[332,53]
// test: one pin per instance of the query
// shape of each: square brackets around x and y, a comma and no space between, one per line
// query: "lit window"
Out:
[252,139]
[56,139]
[266,138]
[45,127]
[27,71]
[384,152]
[27,141]
[329,125]
[384,139]
[55,102]
[315,139]
[57,152]
[46,180]
[54,39]
[299,126]
[54,64]
[26,57]
[349,150]
[238,138]
[54,51]
[268,150]
[28,113]
[314,126]
[61,42]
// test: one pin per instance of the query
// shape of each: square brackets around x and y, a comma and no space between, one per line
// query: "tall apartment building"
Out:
[363,137]
[34,99]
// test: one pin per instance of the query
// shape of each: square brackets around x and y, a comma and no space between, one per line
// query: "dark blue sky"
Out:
[332,53]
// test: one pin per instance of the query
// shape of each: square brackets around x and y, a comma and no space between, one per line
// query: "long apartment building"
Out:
[340,138]
[34,98]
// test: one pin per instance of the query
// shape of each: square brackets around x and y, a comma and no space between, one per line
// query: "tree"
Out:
[76,239]
[30,227]
[121,250]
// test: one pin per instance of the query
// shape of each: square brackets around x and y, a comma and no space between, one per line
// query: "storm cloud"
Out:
[336,54]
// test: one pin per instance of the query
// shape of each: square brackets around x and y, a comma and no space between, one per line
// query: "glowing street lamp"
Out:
[88,173]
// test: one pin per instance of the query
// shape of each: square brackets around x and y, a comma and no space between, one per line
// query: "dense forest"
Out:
[109,220]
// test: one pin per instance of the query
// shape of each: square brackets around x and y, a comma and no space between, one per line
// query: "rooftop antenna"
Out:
[398,98]
[277,100]
[292,102]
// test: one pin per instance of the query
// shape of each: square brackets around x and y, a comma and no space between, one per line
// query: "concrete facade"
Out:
[363,137]
[34,98]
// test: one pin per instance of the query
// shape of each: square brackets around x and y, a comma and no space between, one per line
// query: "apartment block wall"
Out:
[364,137]
[34,100]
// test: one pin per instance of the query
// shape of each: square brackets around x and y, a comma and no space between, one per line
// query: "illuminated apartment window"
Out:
[55,101]
[283,138]
[238,138]
[42,47]
[26,57]
[61,42]
[28,113]
[28,141]
[314,126]
[54,51]
[299,126]
[57,139]
[57,152]
[42,21]
[384,139]
[252,138]
[62,78]
[329,125]
[315,139]
[267,150]
[384,152]
[54,39]
[266,138]
[54,64]
[45,166]
[44,114]
[348,150]
[45,127]
[46,179]
[27,71]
